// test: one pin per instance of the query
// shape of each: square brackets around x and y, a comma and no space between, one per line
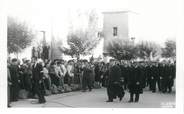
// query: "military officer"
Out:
[134,83]
[114,87]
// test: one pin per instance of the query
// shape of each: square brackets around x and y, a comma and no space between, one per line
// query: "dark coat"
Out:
[114,87]
[134,80]
[14,73]
[143,76]
[87,72]
[36,72]
[114,74]
[38,85]
[124,71]
[97,73]
[87,78]
[14,76]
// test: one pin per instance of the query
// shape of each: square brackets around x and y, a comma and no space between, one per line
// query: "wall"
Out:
[115,19]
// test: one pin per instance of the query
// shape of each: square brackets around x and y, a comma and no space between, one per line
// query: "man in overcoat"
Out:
[38,88]
[134,83]
[14,75]
[114,87]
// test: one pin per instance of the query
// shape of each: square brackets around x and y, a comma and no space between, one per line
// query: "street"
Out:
[96,99]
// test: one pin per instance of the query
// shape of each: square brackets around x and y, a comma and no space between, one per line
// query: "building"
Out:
[118,25]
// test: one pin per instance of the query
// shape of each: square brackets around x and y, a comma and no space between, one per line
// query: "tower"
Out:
[118,25]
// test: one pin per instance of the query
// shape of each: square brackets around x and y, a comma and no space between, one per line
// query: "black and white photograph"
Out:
[91,54]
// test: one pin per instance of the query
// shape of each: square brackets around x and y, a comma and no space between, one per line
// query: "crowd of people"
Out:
[38,77]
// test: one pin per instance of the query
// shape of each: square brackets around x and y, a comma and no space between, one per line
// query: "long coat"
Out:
[134,80]
[14,75]
[36,72]
[37,78]
[87,77]
[114,74]
[114,87]
[97,73]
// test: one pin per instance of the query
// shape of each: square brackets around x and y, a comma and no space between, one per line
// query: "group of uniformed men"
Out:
[135,76]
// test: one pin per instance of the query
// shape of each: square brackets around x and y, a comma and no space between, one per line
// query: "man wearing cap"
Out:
[135,83]
[113,87]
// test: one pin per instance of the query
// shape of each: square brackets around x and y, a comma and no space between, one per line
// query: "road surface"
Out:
[96,99]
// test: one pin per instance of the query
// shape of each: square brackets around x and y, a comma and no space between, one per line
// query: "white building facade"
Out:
[118,25]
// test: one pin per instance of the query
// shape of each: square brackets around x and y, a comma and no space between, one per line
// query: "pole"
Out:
[44,40]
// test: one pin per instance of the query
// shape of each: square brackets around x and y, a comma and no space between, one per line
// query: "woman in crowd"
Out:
[70,73]
[47,79]
[87,76]
[52,73]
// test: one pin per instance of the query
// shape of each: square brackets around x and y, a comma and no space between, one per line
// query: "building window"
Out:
[115,31]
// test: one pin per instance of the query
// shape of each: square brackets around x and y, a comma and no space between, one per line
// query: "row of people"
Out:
[154,74]
[37,76]
[135,76]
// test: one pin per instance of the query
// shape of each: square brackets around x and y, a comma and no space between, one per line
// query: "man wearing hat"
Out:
[134,82]
[114,88]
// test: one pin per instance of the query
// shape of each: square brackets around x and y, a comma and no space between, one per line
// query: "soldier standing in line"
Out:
[143,74]
[146,74]
[149,73]
[170,77]
[114,88]
[159,77]
[153,77]
[134,83]
[123,73]
[126,75]
[163,77]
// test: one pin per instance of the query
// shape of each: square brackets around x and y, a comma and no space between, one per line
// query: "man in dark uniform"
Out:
[134,83]
[38,88]
[124,74]
[14,75]
[143,73]
[153,77]
[173,74]
[159,77]
[149,70]
[114,87]
[170,77]
[163,73]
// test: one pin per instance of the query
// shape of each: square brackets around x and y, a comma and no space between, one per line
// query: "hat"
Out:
[40,61]
[14,60]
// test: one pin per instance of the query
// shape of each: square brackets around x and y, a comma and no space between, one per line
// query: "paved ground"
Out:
[97,98]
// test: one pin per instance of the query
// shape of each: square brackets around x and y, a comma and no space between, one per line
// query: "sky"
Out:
[157,18]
